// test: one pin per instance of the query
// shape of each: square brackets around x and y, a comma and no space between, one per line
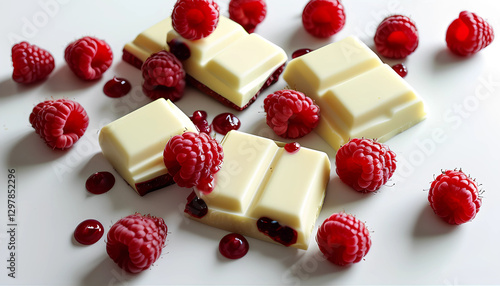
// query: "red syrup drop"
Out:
[292,147]
[400,69]
[88,232]
[233,246]
[100,182]
[300,52]
[225,122]
[199,118]
[117,87]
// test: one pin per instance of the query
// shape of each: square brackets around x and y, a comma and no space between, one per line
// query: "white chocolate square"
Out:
[358,95]
[260,179]
[134,143]
[150,41]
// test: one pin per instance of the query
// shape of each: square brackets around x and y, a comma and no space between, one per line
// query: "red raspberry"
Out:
[163,76]
[468,34]
[454,197]
[365,164]
[31,63]
[290,113]
[193,159]
[59,122]
[195,19]
[135,242]
[343,239]
[248,13]
[396,37]
[88,57]
[323,18]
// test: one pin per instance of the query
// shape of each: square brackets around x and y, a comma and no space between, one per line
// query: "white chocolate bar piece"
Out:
[229,64]
[358,95]
[259,179]
[134,143]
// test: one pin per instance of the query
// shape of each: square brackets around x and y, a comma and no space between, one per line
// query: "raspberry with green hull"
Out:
[454,197]
[364,164]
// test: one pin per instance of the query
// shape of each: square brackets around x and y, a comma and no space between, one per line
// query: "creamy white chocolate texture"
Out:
[259,179]
[230,62]
[358,95]
[134,143]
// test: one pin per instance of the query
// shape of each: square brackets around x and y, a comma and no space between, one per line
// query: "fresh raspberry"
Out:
[396,37]
[323,18]
[59,122]
[195,19]
[135,242]
[164,76]
[343,239]
[468,34]
[193,159]
[365,164]
[248,13]
[31,63]
[88,57]
[290,113]
[454,197]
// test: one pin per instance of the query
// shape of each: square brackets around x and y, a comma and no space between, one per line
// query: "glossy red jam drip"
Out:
[117,87]
[88,232]
[199,118]
[100,182]
[281,234]
[225,122]
[292,147]
[300,52]
[195,206]
[400,69]
[233,246]
[179,49]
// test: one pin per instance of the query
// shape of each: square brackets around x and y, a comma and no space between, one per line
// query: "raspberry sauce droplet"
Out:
[199,118]
[88,232]
[233,246]
[292,147]
[100,182]
[225,122]
[117,87]
[300,52]
[400,69]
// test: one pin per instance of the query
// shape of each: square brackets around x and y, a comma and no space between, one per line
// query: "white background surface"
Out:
[410,244]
